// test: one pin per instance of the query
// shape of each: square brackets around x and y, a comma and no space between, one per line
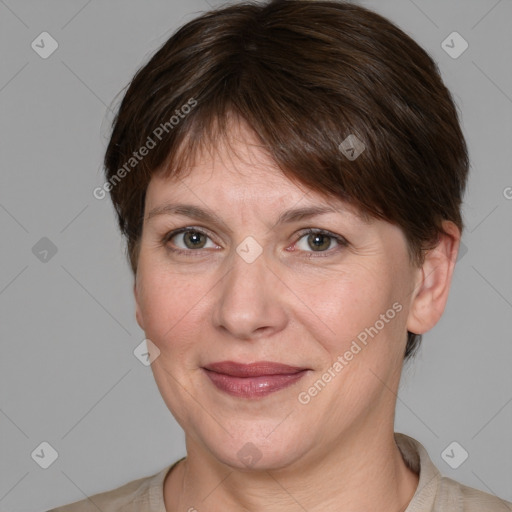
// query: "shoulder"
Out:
[462,498]
[121,498]
[438,493]
[142,494]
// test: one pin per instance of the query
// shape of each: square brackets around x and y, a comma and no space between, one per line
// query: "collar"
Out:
[417,459]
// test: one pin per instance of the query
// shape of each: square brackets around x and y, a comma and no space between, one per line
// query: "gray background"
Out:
[68,375]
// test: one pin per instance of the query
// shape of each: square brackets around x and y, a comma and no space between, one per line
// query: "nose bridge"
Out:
[247,278]
[249,299]
[248,265]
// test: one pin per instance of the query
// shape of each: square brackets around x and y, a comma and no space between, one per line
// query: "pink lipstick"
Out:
[254,380]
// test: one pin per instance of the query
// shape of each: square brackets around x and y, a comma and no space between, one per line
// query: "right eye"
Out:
[187,240]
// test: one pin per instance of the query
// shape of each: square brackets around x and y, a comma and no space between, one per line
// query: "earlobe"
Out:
[434,278]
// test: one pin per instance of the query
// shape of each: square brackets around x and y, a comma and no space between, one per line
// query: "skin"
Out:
[336,452]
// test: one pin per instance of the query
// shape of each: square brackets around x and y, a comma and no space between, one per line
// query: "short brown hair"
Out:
[304,75]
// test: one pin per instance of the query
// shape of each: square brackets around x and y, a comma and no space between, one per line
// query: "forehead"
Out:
[236,155]
[238,171]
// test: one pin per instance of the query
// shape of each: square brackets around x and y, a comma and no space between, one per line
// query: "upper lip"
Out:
[256,369]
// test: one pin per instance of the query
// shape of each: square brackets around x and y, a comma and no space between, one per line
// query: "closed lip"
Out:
[257,369]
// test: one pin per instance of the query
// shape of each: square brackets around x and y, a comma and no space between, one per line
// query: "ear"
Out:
[138,313]
[433,284]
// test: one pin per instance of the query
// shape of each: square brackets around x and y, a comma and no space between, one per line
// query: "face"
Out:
[244,286]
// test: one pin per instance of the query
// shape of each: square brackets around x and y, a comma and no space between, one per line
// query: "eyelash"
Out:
[342,242]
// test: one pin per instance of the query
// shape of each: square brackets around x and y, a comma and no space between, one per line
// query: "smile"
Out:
[255,380]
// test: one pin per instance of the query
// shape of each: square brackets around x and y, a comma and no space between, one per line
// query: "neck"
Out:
[358,473]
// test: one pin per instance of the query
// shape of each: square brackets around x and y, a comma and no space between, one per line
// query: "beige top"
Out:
[435,493]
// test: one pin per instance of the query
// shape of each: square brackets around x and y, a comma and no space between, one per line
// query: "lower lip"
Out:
[253,387]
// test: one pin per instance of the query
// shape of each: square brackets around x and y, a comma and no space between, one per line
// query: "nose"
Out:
[250,300]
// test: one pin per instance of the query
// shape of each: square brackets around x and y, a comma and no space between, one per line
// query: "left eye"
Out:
[318,241]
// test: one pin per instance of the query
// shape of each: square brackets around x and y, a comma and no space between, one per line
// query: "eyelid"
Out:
[173,232]
[313,231]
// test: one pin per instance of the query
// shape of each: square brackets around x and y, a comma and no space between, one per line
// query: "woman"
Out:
[289,178]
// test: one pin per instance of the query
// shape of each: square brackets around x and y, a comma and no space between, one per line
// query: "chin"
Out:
[259,446]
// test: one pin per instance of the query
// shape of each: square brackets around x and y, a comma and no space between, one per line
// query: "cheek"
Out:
[346,302]
[365,346]
[172,306]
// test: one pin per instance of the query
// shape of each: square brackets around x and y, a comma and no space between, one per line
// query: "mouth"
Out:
[254,380]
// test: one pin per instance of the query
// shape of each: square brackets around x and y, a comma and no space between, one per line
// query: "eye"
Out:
[187,240]
[190,240]
[319,241]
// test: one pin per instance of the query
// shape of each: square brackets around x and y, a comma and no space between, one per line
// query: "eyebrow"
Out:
[204,215]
